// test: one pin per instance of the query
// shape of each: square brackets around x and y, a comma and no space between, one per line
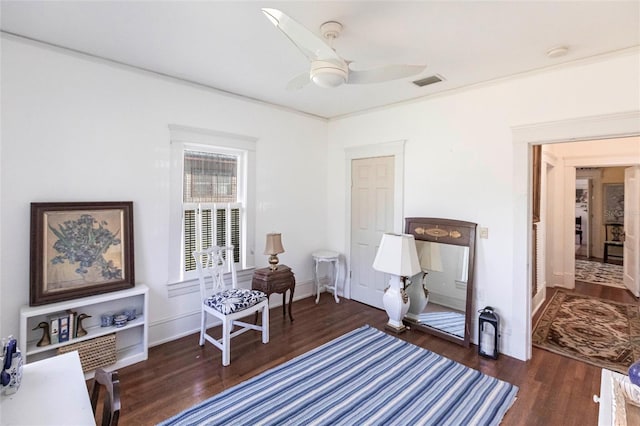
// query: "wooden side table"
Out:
[278,281]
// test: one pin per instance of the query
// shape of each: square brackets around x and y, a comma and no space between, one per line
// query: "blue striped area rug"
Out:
[449,322]
[365,377]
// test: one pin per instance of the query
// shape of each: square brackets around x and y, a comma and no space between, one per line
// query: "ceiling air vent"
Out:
[428,80]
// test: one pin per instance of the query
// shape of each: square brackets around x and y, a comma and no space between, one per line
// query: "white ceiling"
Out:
[231,46]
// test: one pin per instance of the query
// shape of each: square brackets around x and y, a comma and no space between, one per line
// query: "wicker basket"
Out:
[94,353]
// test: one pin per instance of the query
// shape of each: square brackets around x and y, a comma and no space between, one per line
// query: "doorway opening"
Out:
[598,226]
[364,159]
[583,222]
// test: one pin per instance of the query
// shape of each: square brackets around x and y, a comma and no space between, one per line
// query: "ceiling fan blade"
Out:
[312,46]
[299,81]
[379,75]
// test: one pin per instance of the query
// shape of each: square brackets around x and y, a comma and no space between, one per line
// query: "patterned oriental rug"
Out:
[599,273]
[596,331]
[363,377]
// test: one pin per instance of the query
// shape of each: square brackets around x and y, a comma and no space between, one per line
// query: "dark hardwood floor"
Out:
[554,390]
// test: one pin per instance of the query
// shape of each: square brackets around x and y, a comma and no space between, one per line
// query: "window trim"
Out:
[183,137]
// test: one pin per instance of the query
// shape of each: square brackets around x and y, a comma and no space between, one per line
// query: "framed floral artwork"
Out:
[80,249]
[613,203]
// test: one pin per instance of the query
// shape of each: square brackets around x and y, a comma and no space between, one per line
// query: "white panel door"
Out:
[372,194]
[631,274]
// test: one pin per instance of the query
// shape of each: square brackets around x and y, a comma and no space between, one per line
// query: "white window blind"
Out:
[207,224]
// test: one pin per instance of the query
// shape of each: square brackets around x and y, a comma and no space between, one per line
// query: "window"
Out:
[212,210]
[211,184]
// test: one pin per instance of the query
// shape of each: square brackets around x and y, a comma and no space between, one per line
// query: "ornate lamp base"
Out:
[273,261]
[396,303]
[395,329]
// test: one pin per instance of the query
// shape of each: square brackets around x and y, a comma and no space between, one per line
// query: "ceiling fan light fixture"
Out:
[327,75]
[328,69]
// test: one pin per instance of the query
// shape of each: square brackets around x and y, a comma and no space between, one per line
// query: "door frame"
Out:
[393,149]
[605,126]
[631,221]
[594,178]
[587,224]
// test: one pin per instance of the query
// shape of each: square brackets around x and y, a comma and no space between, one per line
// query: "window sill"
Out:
[192,285]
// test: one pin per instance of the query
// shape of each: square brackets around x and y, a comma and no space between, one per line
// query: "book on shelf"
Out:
[72,323]
[63,329]
[54,325]
[59,327]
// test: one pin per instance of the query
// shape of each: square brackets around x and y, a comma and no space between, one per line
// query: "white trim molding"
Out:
[606,126]
[579,129]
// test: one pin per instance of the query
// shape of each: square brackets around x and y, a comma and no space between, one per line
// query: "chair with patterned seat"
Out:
[579,227]
[227,304]
[614,237]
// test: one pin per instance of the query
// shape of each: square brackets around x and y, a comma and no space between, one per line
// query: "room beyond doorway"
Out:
[584,191]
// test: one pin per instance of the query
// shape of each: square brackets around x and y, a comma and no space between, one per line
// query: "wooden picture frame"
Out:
[80,249]
[613,202]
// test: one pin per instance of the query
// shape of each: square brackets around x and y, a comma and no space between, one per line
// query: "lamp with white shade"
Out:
[397,256]
[273,248]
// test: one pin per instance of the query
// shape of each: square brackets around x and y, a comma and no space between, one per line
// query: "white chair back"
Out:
[211,265]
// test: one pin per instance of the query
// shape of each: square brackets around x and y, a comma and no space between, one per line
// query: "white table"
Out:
[605,411]
[330,257]
[53,392]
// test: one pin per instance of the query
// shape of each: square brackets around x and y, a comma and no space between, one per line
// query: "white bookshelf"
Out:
[131,340]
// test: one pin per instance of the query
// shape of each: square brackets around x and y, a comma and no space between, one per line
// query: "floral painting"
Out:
[614,203]
[80,251]
[83,248]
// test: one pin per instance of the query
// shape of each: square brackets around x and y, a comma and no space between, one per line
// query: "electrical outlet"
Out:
[484,232]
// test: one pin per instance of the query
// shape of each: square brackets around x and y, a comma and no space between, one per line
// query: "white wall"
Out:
[460,163]
[80,129]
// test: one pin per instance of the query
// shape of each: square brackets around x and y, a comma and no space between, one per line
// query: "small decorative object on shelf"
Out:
[120,320]
[11,375]
[80,331]
[634,373]
[45,340]
[130,313]
[106,320]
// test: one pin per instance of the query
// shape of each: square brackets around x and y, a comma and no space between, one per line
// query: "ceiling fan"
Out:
[328,69]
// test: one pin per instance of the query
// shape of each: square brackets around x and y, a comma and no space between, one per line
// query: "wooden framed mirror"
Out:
[441,296]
